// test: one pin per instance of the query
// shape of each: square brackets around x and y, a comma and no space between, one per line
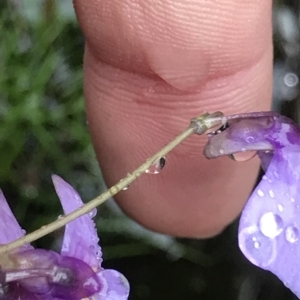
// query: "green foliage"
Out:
[43,126]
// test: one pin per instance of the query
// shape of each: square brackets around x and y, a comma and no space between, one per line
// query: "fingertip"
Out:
[144,83]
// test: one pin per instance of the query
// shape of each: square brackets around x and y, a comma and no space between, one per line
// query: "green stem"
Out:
[198,125]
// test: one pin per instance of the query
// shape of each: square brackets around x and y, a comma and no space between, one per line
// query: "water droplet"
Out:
[93,213]
[60,217]
[256,243]
[138,174]
[113,190]
[271,193]
[127,186]
[156,167]
[259,249]
[221,151]
[280,207]
[242,156]
[249,139]
[260,193]
[98,254]
[292,234]
[270,225]
[23,231]
[244,149]
[292,199]
[265,177]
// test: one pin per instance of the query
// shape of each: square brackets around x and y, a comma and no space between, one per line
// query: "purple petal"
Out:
[115,286]
[10,229]
[36,259]
[75,279]
[262,133]
[17,292]
[270,224]
[242,135]
[43,272]
[269,228]
[80,238]
[25,295]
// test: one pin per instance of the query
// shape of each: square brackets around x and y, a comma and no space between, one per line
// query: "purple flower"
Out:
[269,228]
[76,273]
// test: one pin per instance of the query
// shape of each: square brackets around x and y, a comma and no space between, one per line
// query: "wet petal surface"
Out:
[115,286]
[8,220]
[80,238]
[270,223]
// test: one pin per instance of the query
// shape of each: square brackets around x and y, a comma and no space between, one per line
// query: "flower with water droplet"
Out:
[265,231]
[76,273]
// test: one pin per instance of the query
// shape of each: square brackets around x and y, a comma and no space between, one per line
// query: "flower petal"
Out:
[250,133]
[115,286]
[74,279]
[269,228]
[80,238]
[10,229]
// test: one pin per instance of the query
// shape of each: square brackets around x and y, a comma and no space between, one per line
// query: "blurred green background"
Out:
[43,131]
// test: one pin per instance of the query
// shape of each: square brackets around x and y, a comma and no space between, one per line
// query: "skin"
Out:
[150,66]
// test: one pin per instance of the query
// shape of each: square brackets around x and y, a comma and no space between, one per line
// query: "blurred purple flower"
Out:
[269,228]
[28,273]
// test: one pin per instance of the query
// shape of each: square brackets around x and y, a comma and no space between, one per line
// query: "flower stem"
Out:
[198,125]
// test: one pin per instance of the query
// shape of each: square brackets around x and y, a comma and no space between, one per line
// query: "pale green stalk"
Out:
[198,125]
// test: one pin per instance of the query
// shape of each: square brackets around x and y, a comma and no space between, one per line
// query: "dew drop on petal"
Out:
[265,177]
[256,244]
[249,139]
[270,225]
[98,254]
[258,249]
[243,156]
[280,207]
[221,151]
[292,199]
[260,193]
[156,167]
[292,234]
[271,193]
[93,213]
